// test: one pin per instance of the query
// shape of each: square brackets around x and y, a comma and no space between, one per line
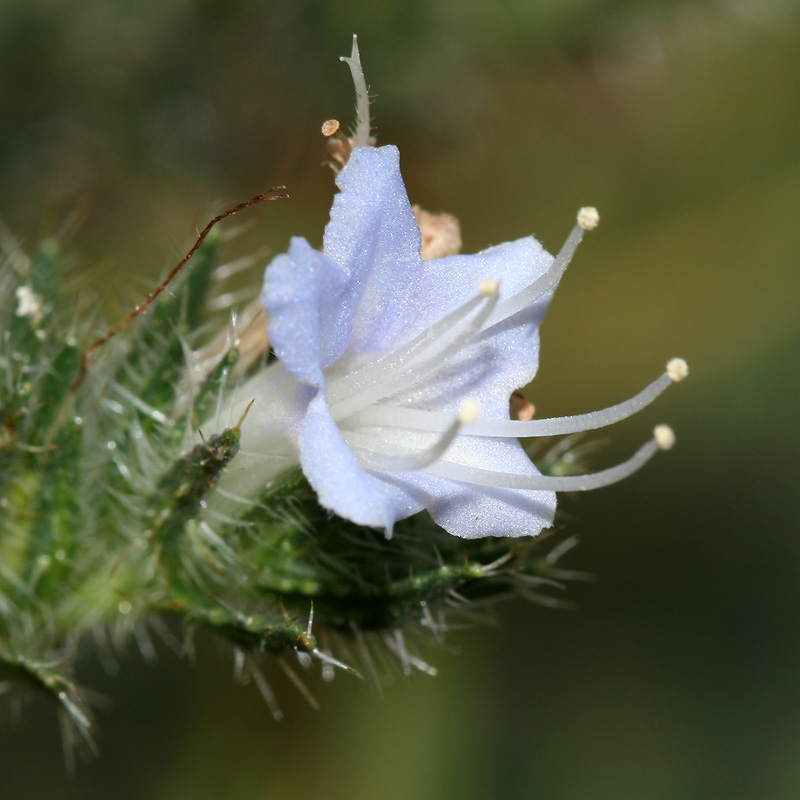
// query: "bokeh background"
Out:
[676,673]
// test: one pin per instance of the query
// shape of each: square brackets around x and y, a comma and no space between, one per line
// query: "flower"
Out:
[395,372]
[394,376]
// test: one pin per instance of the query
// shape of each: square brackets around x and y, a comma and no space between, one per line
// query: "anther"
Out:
[677,369]
[469,411]
[664,437]
[489,287]
[330,127]
[588,218]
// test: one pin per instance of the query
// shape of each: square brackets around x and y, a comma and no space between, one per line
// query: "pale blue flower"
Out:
[385,359]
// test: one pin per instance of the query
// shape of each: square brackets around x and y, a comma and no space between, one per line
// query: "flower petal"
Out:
[470,511]
[341,484]
[451,281]
[374,235]
[305,296]
[473,511]
[464,509]
[499,359]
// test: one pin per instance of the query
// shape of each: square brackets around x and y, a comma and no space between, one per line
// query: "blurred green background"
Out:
[676,674]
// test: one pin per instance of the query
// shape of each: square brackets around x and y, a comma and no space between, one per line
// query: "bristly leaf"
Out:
[181,496]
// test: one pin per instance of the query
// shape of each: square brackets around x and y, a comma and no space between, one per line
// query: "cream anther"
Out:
[330,128]
[664,436]
[469,411]
[677,369]
[489,287]
[588,218]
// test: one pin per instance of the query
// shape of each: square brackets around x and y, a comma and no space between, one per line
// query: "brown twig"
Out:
[268,195]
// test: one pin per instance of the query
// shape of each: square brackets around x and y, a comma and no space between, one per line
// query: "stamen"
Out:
[362,96]
[381,378]
[569,483]
[371,459]
[543,284]
[419,419]
[677,369]
[664,436]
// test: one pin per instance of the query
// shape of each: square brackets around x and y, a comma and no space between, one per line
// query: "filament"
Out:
[396,462]
[542,285]
[568,483]
[422,420]
[397,382]
[389,364]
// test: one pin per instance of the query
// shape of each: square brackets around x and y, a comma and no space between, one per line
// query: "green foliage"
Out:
[105,528]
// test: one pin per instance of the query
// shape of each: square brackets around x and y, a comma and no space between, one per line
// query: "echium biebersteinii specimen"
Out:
[347,495]
[395,372]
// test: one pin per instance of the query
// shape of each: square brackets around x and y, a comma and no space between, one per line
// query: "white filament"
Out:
[394,462]
[380,378]
[390,381]
[421,420]
[389,364]
[542,285]
[569,483]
